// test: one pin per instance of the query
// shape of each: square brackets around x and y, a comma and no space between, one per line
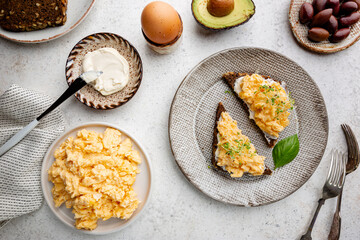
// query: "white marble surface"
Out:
[177,210]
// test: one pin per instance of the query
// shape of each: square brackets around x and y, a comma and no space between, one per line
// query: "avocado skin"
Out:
[219,29]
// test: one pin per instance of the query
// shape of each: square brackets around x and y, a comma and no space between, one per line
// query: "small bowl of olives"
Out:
[325,26]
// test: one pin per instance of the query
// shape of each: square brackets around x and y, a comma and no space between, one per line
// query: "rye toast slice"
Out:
[30,15]
[219,110]
[230,78]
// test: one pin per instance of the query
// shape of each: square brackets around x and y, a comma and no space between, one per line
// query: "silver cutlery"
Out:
[73,88]
[332,187]
[352,165]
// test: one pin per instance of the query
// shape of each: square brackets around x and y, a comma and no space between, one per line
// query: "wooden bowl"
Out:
[300,32]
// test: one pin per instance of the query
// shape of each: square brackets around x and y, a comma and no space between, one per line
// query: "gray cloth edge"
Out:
[15,86]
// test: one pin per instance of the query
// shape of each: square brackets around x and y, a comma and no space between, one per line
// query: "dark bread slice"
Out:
[230,78]
[29,15]
[219,110]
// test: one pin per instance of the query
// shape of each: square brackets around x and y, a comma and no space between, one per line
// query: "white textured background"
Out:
[177,210]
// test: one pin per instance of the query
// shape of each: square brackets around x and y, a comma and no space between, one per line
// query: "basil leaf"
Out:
[285,151]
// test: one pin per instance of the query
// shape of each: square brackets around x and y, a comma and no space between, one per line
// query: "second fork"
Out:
[332,187]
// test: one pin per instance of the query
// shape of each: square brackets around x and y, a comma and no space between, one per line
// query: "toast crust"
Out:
[221,109]
[230,79]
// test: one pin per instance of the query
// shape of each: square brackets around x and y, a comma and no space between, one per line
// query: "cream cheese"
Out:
[115,70]
[218,139]
[238,89]
[237,83]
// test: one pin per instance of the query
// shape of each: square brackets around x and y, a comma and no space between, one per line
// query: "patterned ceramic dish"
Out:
[142,184]
[88,95]
[192,120]
[300,32]
[76,13]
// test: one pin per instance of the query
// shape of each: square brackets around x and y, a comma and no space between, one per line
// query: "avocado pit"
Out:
[220,8]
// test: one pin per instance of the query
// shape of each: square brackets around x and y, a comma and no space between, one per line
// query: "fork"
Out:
[352,165]
[332,187]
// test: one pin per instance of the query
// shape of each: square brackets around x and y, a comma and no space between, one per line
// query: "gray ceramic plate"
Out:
[192,120]
[88,95]
[300,32]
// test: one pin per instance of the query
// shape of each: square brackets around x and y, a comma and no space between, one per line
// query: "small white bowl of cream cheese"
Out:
[117,59]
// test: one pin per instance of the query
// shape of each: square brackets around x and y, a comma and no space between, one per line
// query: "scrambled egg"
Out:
[269,102]
[235,152]
[94,174]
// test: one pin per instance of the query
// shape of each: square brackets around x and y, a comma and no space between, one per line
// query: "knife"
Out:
[80,82]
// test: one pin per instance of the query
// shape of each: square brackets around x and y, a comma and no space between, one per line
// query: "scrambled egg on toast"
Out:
[233,152]
[266,99]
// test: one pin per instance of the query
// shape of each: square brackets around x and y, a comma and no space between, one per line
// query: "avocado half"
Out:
[243,11]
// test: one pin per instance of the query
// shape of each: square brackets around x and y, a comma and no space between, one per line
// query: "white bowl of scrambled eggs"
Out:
[93,172]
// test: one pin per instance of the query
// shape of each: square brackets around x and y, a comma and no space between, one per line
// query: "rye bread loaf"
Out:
[219,110]
[230,79]
[29,15]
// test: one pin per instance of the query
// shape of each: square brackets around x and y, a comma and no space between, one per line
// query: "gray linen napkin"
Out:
[20,188]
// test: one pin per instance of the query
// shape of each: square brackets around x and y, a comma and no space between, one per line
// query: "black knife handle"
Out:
[73,88]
